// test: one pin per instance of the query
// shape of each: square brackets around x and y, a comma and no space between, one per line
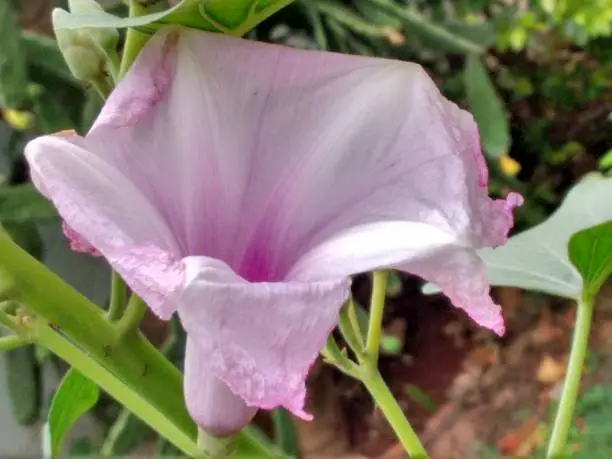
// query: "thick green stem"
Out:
[377,306]
[134,40]
[134,401]
[118,297]
[571,386]
[133,359]
[383,397]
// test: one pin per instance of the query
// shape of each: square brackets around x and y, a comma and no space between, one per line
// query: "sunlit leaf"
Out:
[75,396]
[537,259]
[590,251]
[487,108]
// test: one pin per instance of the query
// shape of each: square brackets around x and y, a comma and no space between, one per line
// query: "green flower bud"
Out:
[89,52]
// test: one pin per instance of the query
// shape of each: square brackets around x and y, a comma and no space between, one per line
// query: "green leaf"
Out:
[417,395]
[605,162]
[285,435]
[537,259]
[487,108]
[13,66]
[214,15]
[75,397]
[590,251]
[23,204]
[430,34]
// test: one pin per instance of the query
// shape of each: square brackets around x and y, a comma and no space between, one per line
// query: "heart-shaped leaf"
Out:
[590,251]
[537,259]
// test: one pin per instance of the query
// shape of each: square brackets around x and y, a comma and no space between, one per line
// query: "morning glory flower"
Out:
[241,184]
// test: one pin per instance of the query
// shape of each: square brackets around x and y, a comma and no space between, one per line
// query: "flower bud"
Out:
[87,50]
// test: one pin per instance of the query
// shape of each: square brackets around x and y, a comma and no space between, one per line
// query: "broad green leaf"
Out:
[237,16]
[75,396]
[23,203]
[590,251]
[13,65]
[537,259]
[487,108]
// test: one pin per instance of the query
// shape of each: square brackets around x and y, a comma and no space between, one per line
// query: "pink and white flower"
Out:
[242,184]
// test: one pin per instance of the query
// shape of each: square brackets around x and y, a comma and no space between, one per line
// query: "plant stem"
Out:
[133,359]
[381,394]
[211,447]
[134,40]
[8,343]
[134,401]
[134,313]
[377,306]
[571,386]
[118,295]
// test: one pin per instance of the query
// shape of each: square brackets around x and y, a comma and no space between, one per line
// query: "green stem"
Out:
[377,306]
[211,447]
[8,343]
[571,386]
[134,401]
[393,413]
[134,40]
[133,359]
[118,296]
[134,313]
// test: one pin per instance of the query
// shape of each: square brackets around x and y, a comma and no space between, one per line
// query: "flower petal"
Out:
[260,339]
[414,247]
[210,402]
[103,208]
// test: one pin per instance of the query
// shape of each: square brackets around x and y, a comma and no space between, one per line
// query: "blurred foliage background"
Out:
[537,76]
